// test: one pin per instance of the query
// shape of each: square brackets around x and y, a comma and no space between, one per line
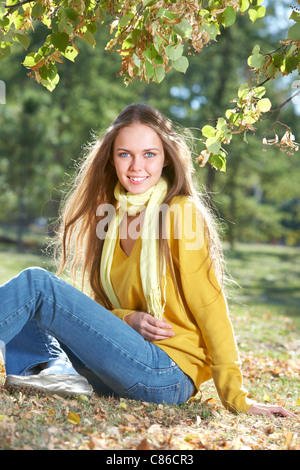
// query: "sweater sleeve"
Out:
[205,300]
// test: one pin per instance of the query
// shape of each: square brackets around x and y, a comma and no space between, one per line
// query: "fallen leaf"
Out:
[269,429]
[130,418]
[73,418]
[288,438]
[143,445]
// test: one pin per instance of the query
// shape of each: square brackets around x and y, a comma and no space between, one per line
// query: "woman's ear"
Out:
[166,162]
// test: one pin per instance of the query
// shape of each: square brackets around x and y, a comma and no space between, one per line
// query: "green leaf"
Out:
[294,32]
[2,10]
[37,10]
[218,161]
[183,29]
[52,71]
[32,59]
[149,3]
[244,87]
[60,41]
[181,64]
[277,60]
[271,70]
[212,29]
[50,84]
[256,12]
[264,105]
[256,61]
[213,144]
[256,49]
[149,69]
[221,124]
[89,38]
[227,17]
[174,52]
[150,52]
[4,52]
[44,72]
[70,53]
[260,91]
[71,14]
[125,21]
[23,39]
[159,74]
[244,5]
[208,131]
[291,63]
[295,16]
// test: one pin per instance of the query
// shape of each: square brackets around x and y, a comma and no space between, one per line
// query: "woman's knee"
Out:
[33,271]
[33,274]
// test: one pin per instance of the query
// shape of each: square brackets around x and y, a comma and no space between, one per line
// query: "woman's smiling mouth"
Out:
[137,179]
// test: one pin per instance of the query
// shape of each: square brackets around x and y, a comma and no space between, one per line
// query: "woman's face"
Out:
[138,157]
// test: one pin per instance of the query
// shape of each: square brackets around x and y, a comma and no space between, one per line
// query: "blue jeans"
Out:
[40,312]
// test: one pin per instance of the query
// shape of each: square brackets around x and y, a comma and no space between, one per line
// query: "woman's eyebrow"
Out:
[144,150]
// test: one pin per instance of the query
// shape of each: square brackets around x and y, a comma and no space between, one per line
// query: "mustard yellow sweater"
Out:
[204,344]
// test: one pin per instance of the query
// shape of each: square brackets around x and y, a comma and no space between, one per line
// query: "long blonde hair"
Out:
[77,243]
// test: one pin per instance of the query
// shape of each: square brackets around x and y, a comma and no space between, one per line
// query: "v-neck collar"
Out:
[121,249]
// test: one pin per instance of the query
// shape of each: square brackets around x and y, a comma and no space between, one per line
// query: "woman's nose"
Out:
[136,164]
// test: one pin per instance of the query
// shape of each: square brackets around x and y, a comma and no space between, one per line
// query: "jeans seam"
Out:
[16,313]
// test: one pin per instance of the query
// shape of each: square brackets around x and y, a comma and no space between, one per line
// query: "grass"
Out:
[265,312]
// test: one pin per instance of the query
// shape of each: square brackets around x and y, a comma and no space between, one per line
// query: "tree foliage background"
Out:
[225,69]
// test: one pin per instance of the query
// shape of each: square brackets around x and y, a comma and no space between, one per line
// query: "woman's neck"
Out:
[130,231]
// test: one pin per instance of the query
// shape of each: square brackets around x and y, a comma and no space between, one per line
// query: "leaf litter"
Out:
[100,423]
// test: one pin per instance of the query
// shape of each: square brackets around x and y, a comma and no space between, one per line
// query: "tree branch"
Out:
[11,7]
[286,101]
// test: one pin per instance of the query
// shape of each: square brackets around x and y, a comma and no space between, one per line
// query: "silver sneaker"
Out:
[64,385]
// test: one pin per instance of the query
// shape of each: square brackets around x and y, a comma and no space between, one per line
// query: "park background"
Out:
[43,136]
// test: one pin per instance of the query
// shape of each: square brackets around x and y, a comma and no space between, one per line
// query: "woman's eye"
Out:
[149,154]
[124,154]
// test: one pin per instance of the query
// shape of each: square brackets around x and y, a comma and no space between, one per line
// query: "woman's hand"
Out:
[149,327]
[269,410]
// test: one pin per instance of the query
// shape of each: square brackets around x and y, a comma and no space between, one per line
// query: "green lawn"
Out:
[265,311]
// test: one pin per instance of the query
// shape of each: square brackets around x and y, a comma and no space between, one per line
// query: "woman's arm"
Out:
[269,410]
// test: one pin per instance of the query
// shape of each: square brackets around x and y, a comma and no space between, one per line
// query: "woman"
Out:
[157,324]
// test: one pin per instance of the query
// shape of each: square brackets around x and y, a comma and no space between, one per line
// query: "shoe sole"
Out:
[27,389]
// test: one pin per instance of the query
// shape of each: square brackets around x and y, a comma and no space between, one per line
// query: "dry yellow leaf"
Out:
[130,418]
[288,438]
[73,418]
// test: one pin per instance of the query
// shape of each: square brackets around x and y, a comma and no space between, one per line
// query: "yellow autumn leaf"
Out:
[123,405]
[130,418]
[73,418]
[2,417]
[266,397]
[298,401]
